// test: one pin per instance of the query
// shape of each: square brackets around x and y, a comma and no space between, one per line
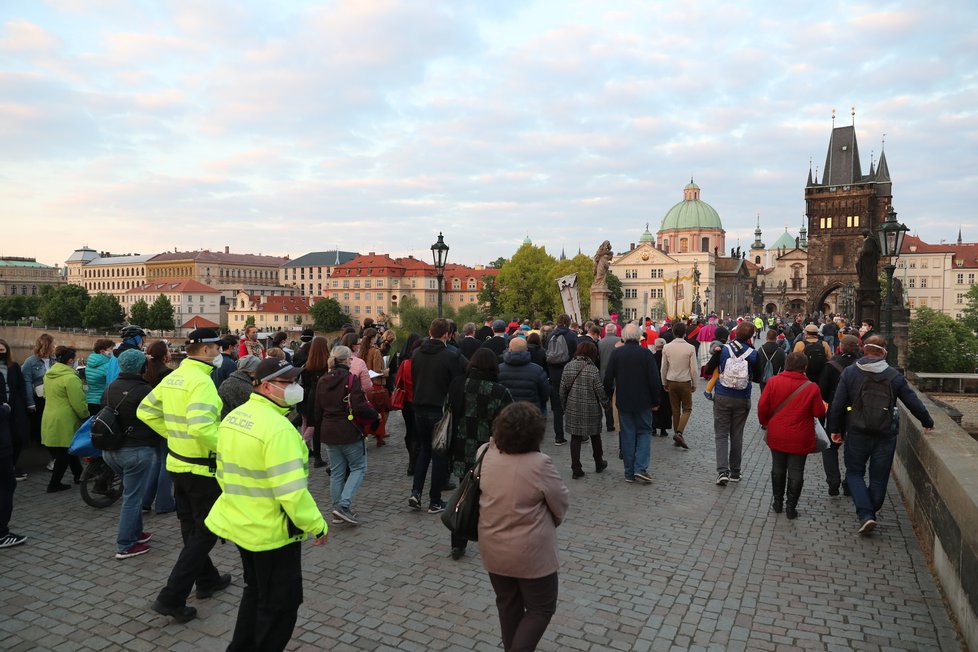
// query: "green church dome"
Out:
[786,241]
[692,213]
[647,236]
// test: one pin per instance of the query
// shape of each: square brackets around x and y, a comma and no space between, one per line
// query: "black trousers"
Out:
[525,608]
[8,483]
[597,451]
[787,468]
[270,601]
[62,460]
[556,372]
[195,495]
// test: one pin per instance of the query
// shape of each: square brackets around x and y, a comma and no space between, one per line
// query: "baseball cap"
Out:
[275,369]
[811,328]
[204,336]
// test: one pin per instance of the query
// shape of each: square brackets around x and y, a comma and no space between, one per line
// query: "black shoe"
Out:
[458,553]
[223,582]
[777,504]
[601,466]
[791,513]
[833,490]
[318,463]
[182,614]
[560,442]
[54,488]
[578,474]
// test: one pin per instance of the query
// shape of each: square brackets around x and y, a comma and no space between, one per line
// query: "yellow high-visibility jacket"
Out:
[186,409]
[263,470]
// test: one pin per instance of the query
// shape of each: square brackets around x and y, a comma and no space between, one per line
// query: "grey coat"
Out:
[583,398]
[234,391]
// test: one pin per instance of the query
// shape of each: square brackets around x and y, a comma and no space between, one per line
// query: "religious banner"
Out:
[679,293]
[569,296]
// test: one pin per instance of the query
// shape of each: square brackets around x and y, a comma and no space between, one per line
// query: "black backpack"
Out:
[815,352]
[107,434]
[872,409]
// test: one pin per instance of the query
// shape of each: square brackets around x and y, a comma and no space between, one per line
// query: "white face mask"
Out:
[291,395]
[218,360]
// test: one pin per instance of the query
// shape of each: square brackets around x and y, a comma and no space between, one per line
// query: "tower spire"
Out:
[959,234]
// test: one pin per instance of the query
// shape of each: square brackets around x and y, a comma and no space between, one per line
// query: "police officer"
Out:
[266,508]
[185,408]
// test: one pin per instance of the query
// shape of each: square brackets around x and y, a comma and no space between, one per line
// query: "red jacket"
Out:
[403,378]
[792,430]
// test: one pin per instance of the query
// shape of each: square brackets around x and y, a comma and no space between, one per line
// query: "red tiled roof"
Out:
[293,305]
[965,254]
[220,257]
[176,285]
[379,265]
[199,322]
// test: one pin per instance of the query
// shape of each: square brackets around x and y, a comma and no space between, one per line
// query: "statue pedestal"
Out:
[599,302]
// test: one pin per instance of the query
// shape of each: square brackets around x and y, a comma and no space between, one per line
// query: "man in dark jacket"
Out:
[556,371]
[827,384]
[433,367]
[525,380]
[228,361]
[498,342]
[606,347]
[485,332]
[8,482]
[866,447]
[300,357]
[769,351]
[469,343]
[633,376]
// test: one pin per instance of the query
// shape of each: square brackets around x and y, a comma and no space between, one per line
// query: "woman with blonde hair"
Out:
[34,369]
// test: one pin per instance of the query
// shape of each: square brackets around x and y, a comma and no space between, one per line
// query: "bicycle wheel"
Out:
[100,486]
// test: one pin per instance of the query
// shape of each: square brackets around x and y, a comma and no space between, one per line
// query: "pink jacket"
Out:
[523,501]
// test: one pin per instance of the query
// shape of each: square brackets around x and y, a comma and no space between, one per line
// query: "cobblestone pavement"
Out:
[678,565]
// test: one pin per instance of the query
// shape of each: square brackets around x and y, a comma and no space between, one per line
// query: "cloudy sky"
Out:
[289,126]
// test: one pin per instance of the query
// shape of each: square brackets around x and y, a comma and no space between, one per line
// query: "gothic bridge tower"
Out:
[841,207]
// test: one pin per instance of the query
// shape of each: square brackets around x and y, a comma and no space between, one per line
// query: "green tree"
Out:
[470,312]
[583,266]
[615,299]
[940,344]
[161,315]
[971,309]
[103,311]
[139,313]
[327,315]
[526,286]
[489,296]
[414,318]
[498,263]
[250,321]
[64,306]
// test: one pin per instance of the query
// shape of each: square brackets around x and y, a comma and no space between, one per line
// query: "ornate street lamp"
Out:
[439,252]
[706,306]
[890,234]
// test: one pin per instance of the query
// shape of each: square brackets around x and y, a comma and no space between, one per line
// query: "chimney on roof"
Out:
[631,246]
[371,254]
[227,249]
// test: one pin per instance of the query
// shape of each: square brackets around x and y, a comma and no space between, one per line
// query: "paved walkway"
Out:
[678,565]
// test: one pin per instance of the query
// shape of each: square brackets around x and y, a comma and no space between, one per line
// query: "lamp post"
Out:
[439,252]
[706,306]
[890,234]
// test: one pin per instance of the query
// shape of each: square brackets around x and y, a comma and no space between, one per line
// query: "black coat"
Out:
[525,380]
[17,398]
[137,432]
[633,372]
[6,444]
[469,345]
[332,410]
[433,367]
[497,345]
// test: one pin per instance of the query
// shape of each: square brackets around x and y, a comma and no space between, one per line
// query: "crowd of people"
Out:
[226,438]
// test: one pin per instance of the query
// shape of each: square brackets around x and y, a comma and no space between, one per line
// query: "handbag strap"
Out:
[119,404]
[790,396]
[477,469]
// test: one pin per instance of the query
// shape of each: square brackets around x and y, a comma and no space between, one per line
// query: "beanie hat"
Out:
[248,363]
[132,361]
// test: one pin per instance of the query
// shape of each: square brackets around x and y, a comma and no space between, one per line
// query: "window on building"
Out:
[971,279]
[683,245]
[346,283]
[705,245]
[380,296]
[346,296]
[356,310]
[356,282]
[960,279]
[923,282]
[852,221]
[960,298]
[380,282]
[367,310]
[837,255]
[356,296]
[911,282]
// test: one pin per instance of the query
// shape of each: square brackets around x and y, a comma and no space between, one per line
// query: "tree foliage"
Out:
[414,318]
[498,263]
[489,295]
[103,311]
[139,313]
[971,309]
[940,344]
[615,298]
[161,315]
[19,306]
[64,306]
[327,315]
[526,285]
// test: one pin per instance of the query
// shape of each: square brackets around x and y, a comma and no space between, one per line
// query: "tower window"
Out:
[836,255]
[683,245]
[705,245]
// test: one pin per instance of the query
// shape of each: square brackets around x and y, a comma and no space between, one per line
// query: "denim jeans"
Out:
[348,466]
[425,419]
[159,486]
[878,453]
[636,441]
[729,418]
[133,464]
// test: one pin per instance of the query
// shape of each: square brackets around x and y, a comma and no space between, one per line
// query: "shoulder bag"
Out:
[107,435]
[461,516]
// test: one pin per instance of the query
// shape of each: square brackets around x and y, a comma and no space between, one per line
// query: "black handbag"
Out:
[107,435]
[461,515]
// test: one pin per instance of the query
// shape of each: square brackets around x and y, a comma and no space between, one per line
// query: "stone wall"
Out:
[966,404]
[937,473]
